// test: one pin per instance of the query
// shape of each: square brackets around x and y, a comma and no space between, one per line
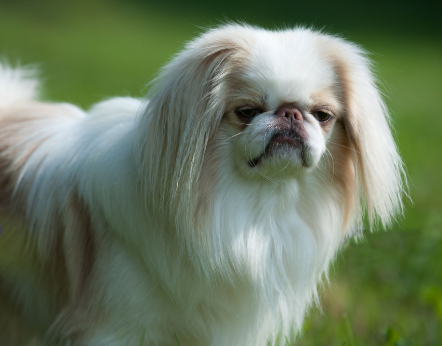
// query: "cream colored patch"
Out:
[343,171]
[17,125]
[345,144]
[51,284]
[330,98]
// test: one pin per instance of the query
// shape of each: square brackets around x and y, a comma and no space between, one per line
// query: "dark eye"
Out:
[247,113]
[322,116]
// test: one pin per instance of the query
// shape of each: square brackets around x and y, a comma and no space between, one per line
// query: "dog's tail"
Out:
[17,85]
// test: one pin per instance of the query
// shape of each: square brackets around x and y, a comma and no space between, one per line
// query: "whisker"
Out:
[281,169]
[249,158]
[232,137]
[344,146]
[333,161]
[236,122]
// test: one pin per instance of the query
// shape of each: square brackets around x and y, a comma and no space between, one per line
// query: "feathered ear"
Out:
[186,106]
[377,164]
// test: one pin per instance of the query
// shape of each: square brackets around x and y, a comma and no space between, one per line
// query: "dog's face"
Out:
[273,105]
[281,108]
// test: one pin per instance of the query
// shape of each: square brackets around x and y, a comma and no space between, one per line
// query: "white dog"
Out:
[204,216]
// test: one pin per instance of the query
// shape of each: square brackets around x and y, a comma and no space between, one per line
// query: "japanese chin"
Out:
[206,214]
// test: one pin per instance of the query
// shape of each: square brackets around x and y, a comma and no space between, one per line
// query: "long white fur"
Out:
[16,85]
[244,267]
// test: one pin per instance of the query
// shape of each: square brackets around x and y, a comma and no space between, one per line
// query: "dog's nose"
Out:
[290,113]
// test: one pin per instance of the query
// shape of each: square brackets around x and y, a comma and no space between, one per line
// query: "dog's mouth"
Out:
[287,140]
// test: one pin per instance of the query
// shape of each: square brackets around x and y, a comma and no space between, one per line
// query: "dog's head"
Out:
[266,106]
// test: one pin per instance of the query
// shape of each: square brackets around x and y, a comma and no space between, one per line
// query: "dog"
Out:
[206,214]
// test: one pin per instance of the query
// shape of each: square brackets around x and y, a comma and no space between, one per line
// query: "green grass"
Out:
[385,290]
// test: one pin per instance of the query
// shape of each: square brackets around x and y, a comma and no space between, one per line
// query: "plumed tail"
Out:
[17,85]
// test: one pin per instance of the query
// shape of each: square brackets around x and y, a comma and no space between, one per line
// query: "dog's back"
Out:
[16,259]
[47,249]
[25,304]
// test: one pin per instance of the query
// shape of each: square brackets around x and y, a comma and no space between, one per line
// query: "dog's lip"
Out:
[277,140]
[284,138]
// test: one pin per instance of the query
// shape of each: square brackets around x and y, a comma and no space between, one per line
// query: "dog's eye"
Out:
[322,116]
[247,113]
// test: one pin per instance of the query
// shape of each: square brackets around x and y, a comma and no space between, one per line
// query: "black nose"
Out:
[290,113]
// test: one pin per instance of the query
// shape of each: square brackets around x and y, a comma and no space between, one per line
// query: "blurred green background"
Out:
[385,290]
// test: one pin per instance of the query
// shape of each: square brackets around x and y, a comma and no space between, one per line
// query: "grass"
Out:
[385,290]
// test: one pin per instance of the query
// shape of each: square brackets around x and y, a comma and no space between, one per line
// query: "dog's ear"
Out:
[186,105]
[378,167]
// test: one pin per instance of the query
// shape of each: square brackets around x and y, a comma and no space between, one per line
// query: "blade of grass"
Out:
[351,338]
[176,338]
[287,340]
[143,336]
